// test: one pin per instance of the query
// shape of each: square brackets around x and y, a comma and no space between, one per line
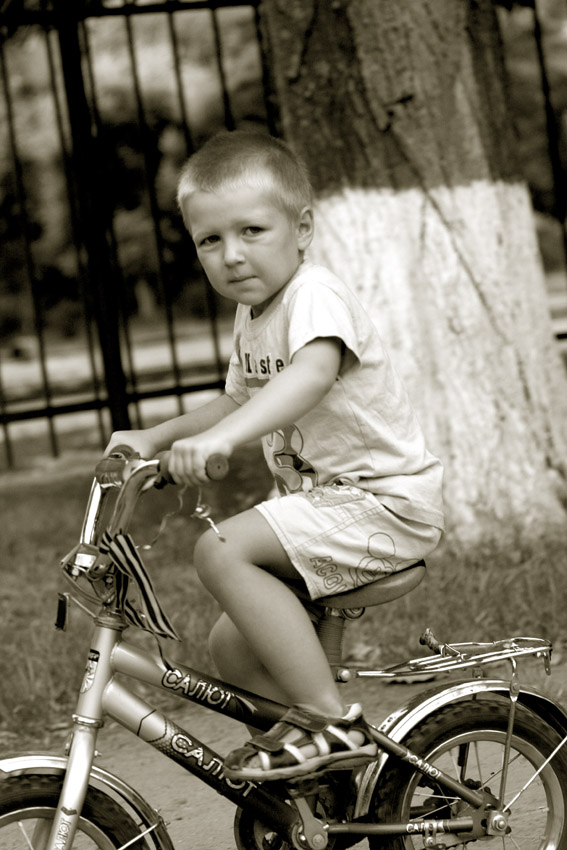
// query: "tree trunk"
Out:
[399,109]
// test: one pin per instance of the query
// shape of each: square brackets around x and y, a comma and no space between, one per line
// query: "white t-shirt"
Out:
[364,431]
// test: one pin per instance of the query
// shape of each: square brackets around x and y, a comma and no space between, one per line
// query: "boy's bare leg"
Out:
[242,572]
[238,665]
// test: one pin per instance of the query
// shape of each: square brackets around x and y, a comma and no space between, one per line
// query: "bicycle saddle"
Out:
[377,592]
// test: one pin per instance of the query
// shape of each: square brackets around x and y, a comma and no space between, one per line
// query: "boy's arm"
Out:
[149,441]
[283,400]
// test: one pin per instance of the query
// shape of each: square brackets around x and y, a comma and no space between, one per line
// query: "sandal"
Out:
[302,743]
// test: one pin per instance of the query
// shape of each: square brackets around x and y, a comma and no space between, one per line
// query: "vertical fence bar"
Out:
[553,136]
[155,213]
[74,220]
[8,450]
[229,122]
[189,144]
[113,254]
[268,87]
[26,242]
[94,213]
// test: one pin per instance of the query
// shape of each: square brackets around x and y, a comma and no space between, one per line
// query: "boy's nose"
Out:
[232,252]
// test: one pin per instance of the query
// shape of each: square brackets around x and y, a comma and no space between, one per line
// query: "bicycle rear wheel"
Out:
[28,804]
[466,741]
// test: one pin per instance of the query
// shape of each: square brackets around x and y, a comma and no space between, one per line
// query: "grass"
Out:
[479,595]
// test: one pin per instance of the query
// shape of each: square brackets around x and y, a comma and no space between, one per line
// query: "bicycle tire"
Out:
[474,731]
[27,806]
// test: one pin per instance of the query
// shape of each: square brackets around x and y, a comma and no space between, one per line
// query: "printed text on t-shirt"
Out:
[263,366]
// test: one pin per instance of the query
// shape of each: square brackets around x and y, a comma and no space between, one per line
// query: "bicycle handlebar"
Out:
[124,469]
[110,469]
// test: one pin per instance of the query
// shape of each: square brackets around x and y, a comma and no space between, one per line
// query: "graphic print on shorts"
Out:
[294,472]
[371,567]
[330,572]
[381,556]
[381,559]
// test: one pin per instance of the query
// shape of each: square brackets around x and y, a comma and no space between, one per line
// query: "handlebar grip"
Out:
[216,468]
[429,640]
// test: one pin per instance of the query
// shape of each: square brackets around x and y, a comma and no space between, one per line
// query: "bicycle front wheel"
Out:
[28,804]
[466,741]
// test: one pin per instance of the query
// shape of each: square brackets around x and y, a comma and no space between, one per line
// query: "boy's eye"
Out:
[209,240]
[253,230]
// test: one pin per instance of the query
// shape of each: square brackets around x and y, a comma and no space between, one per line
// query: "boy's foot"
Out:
[302,743]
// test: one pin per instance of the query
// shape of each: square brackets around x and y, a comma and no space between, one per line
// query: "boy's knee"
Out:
[206,552]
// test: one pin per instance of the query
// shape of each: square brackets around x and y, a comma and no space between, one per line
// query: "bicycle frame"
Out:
[102,695]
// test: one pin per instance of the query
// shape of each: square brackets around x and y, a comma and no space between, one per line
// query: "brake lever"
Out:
[216,467]
[203,511]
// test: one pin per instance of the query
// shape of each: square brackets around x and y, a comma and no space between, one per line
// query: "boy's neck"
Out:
[257,311]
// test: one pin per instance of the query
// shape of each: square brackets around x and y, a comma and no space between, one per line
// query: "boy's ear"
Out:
[305,227]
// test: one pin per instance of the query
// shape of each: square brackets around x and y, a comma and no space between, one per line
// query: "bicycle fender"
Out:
[400,723]
[17,765]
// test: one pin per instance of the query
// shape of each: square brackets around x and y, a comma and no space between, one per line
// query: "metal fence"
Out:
[104,314]
[103,307]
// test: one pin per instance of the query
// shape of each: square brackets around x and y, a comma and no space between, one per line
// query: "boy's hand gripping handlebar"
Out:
[216,468]
[113,465]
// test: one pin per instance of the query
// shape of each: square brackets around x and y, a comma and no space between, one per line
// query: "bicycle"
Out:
[473,759]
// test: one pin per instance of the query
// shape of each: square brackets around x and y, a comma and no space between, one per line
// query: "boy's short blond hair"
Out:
[260,159]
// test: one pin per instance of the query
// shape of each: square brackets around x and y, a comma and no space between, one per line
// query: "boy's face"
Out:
[248,246]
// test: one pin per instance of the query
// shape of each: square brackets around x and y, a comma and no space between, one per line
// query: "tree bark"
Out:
[399,109]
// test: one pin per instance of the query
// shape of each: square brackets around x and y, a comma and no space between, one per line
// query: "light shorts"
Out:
[339,537]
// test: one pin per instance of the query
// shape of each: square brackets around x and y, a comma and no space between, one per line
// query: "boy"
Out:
[360,495]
